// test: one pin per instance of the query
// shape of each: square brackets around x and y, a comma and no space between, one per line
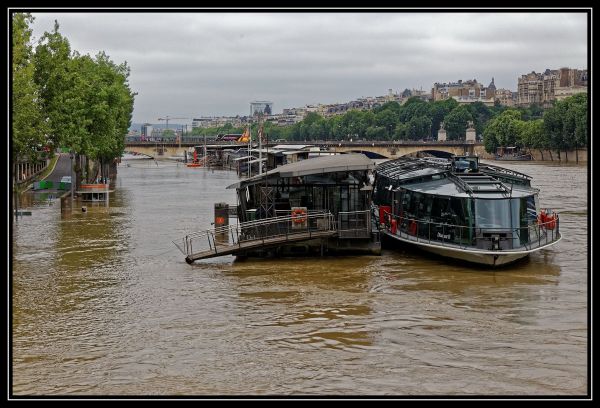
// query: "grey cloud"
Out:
[215,63]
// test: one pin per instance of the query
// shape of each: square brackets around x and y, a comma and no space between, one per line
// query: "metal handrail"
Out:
[229,236]
[421,231]
[354,224]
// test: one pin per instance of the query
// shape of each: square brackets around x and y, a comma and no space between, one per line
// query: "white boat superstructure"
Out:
[460,209]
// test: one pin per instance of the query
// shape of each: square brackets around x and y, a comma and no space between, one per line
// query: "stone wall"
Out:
[570,156]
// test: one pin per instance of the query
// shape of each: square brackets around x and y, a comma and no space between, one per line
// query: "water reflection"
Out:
[314,302]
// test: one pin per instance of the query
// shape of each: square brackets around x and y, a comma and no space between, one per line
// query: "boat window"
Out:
[439,206]
[493,213]
[528,220]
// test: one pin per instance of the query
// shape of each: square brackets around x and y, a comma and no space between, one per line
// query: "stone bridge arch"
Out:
[396,150]
[368,153]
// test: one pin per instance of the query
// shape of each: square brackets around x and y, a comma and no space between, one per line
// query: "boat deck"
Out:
[274,231]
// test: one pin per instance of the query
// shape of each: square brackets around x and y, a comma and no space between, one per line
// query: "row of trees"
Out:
[62,98]
[414,120]
[562,127]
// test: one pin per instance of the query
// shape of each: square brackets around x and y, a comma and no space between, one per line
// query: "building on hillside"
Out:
[505,97]
[464,91]
[544,88]
[217,121]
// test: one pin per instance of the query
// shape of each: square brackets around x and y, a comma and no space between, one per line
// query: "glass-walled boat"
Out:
[462,209]
[304,194]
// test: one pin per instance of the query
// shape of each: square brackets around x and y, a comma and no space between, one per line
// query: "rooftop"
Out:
[317,165]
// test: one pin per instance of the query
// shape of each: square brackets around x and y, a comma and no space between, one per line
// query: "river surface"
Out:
[104,304]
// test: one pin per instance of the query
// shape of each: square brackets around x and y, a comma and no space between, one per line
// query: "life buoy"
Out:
[542,219]
[298,216]
[551,221]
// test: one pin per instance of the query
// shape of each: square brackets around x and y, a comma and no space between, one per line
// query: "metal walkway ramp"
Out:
[232,239]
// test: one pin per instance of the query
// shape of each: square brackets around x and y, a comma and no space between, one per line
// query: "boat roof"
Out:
[257,160]
[484,189]
[317,165]
[244,158]
[437,177]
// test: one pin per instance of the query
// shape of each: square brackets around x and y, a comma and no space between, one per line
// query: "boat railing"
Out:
[268,230]
[527,238]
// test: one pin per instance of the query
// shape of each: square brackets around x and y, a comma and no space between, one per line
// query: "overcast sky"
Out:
[213,64]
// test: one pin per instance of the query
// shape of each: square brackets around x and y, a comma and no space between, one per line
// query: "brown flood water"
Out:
[104,304]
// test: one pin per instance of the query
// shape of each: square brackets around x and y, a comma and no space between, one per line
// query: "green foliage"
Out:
[438,111]
[28,125]
[418,128]
[503,130]
[414,106]
[456,122]
[532,134]
[566,123]
[87,100]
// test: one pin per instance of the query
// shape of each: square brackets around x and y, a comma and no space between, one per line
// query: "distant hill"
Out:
[138,126]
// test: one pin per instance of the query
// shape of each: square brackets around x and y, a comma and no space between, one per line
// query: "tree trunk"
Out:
[78,171]
[566,155]
[542,153]
[551,158]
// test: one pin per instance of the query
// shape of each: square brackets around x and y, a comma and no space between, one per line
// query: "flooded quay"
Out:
[104,304]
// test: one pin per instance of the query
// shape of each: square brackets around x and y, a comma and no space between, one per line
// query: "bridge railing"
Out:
[225,238]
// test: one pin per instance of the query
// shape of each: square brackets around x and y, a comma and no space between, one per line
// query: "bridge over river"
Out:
[373,149]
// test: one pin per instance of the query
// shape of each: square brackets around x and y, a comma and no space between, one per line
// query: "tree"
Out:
[386,119]
[481,115]
[566,123]
[554,125]
[437,111]
[376,133]
[87,100]
[456,122]
[414,106]
[28,125]
[532,135]
[418,127]
[392,106]
[502,130]
[55,79]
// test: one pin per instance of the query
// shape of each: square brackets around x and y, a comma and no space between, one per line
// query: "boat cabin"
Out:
[335,184]
[462,202]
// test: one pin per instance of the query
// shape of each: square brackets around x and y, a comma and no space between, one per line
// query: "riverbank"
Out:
[568,156]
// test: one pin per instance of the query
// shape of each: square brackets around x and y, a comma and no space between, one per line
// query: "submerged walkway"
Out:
[233,239]
[61,169]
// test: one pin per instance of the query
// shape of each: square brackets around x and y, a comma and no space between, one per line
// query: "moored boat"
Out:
[511,153]
[462,209]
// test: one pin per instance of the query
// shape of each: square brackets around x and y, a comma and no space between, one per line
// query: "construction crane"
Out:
[168,118]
